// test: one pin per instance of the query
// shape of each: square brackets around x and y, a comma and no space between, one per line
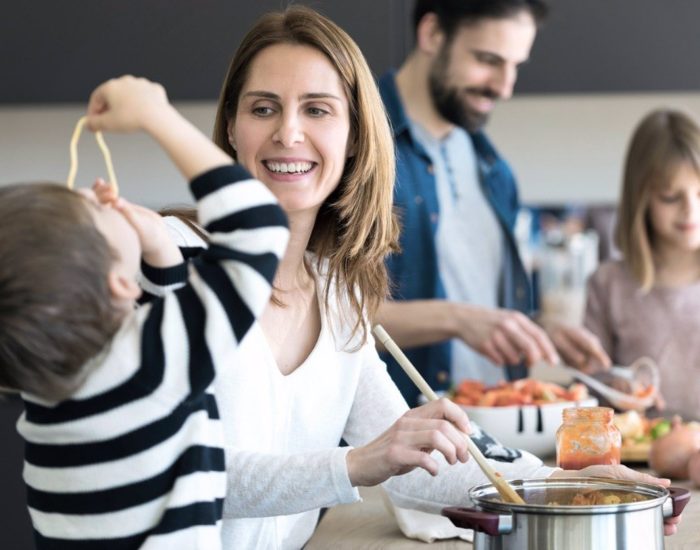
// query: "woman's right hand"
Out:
[437,426]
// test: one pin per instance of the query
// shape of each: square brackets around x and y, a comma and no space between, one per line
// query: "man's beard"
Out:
[450,101]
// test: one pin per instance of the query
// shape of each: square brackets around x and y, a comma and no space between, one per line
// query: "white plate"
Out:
[529,427]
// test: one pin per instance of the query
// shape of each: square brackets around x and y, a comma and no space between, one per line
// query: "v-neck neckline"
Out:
[268,349]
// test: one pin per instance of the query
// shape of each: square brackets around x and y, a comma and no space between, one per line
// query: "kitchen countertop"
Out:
[368,525]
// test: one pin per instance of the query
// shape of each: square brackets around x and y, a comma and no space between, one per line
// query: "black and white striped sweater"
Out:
[134,458]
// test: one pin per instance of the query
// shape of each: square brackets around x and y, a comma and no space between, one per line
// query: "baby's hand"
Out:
[126,104]
[104,192]
[157,248]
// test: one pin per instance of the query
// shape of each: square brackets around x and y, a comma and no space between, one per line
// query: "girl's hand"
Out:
[157,248]
[126,104]
[438,426]
[621,472]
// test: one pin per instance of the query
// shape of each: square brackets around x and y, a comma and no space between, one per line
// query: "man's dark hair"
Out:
[454,13]
[56,310]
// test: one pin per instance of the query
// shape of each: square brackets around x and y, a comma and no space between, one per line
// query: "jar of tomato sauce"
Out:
[586,437]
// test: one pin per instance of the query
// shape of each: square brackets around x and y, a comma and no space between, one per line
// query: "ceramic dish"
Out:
[529,427]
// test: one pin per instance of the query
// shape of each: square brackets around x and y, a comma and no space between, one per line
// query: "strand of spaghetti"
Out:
[108,162]
[74,156]
[74,152]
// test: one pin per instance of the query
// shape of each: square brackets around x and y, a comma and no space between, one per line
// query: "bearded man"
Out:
[461,299]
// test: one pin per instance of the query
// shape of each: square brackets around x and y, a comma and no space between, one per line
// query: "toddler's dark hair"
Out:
[56,311]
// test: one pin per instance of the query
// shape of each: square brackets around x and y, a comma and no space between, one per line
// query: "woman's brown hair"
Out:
[662,142]
[355,228]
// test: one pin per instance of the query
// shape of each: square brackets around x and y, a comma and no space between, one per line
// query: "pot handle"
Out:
[679,498]
[471,518]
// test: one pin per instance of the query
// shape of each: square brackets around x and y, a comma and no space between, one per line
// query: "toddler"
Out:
[123,438]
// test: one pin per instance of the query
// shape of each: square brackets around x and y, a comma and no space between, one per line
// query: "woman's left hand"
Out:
[618,471]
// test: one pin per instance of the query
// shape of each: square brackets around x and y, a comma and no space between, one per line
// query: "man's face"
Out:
[479,66]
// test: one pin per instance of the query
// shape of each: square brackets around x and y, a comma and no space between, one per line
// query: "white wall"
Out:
[572,148]
[563,148]
[34,146]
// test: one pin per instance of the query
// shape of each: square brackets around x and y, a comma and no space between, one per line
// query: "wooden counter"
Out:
[369,526]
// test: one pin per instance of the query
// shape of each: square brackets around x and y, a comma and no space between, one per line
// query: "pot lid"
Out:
[572,496]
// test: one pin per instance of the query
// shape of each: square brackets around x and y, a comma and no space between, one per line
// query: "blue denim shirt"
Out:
[414,272]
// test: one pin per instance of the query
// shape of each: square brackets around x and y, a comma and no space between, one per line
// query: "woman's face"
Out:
[292,125]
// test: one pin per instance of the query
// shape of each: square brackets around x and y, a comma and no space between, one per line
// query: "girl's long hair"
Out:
[663,141]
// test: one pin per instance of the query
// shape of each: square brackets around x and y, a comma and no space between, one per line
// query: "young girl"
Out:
[647,304]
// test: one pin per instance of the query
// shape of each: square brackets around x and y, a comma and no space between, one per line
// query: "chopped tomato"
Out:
[645,391]
[520,392]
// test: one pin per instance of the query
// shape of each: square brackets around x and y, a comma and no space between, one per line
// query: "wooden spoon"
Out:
[507,492]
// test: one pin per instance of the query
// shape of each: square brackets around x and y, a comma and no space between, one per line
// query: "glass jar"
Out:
[586,437]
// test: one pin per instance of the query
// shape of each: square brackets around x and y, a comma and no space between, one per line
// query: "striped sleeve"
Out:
[157,281]
[231,281]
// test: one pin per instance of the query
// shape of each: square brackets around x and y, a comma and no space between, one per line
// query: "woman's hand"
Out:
[624,473]
[438,426]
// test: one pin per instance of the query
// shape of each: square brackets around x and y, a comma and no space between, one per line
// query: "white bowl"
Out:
[529,427]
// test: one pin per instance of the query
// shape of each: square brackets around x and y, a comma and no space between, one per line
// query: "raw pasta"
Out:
[74,156]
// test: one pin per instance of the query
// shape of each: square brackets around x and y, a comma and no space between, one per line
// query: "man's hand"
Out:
[505,337]
[578,347]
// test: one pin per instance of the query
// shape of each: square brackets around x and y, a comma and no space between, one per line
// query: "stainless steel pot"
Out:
[541,525]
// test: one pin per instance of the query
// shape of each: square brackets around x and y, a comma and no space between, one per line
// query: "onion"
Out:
[694,468]
[670,453]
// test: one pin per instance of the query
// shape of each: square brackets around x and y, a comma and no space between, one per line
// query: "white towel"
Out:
[423,526]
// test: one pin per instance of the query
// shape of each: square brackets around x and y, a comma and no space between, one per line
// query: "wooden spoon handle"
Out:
[507,492]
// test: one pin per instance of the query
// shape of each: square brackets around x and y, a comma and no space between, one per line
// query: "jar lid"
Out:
[590,414]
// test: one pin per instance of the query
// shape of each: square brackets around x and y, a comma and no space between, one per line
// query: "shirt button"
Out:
[520,293]
[430,169]
[418,199]
[434,217]
[442,377]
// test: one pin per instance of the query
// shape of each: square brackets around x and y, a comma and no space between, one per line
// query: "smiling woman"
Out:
[299,109]
[299,89]
[293,127]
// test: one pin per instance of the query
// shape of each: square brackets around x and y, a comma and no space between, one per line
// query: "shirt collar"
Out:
[392,103]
